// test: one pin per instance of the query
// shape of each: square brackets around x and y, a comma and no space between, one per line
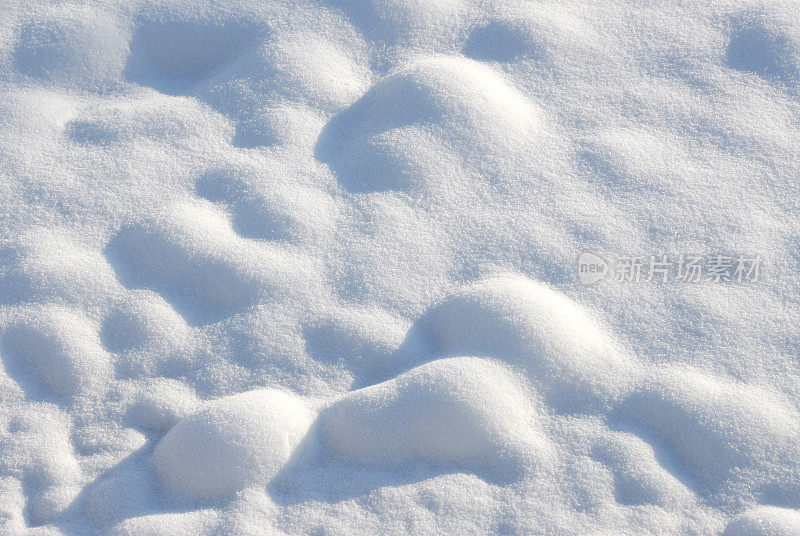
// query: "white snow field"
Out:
[309,267]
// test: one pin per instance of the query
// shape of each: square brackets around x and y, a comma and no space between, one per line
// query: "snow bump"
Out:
[231,443]
[469,412]
[562,349]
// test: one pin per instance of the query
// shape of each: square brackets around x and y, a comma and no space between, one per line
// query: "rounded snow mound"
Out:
[72,45]
[416,22]
[765,521]
[565,352]
[328,74]
[723,432]
[231,443]
[193,257]
[466,411]
[149,118]
[144,320]
[175,46]
[52,351]
[463,105]
[263,210]
[765,44]
[545,34]
[157,404]
[50,266]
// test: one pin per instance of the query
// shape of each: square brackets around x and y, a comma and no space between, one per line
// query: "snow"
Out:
[309,267]
[54,351]
[160,404]
[72,45]
[573,362]
[462,411]
[367,144]
[231,443]
[721,431]
[763,521]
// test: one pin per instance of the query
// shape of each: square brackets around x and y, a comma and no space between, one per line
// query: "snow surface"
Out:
[308,267]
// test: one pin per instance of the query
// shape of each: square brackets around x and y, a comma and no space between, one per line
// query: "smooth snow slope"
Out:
[294,267]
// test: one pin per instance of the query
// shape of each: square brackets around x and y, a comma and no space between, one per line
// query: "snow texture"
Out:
[302,267]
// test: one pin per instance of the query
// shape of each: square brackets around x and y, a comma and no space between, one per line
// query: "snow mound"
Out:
[72,45]
[414,23]
[563,350]
[371,343]
[543,34]
[150,118]
[35,447]
[464,411]
[146,333]
[160,403]
[319,70]
[231,443]
[51,266]
[194,258]
[35,116]
[720,430]
[267,212]
[766,44]
[195,523]
[765,521]
[444,103]
[144,320]
[52,351]
[174,47]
